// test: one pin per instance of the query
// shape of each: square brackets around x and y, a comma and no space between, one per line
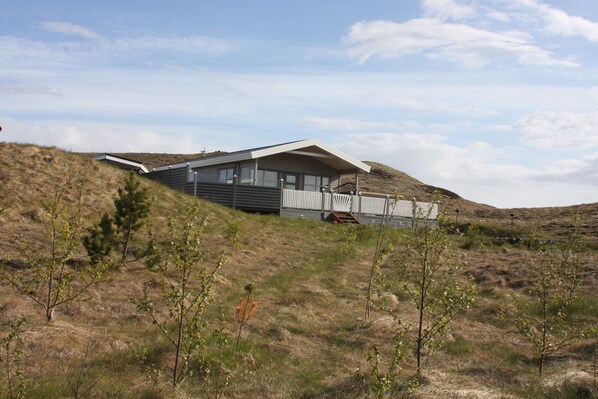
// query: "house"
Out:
[295,179]
[122,163]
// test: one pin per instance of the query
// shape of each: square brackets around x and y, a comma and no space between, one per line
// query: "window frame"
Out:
[319,183]
[227,179]
[261,178]
[248,181]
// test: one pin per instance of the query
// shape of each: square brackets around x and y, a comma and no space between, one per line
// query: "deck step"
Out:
[342,218]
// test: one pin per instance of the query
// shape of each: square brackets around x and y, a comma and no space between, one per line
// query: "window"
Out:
[291,181]
[226,176]
[315,183]
[267,178]
[247,175]
[310,183]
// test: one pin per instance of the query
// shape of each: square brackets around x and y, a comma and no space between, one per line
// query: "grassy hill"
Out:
[307,339]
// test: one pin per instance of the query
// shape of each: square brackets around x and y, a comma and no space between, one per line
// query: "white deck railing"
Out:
[359,204]
[309,200]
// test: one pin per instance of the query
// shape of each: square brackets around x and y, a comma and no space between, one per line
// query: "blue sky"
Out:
[496,100]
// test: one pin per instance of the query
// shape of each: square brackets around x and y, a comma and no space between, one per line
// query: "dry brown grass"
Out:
[306,338]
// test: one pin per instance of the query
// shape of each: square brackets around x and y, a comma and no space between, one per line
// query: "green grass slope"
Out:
[307,338]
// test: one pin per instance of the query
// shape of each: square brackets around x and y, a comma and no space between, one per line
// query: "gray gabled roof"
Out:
[310,147]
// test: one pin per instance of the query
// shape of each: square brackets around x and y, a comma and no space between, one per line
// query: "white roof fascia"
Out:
[112,158]
[259,153]
[358,164]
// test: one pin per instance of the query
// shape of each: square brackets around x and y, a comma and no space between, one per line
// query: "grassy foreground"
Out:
[307,338]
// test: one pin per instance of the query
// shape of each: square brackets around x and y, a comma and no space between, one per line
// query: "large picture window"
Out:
[247,175]
[226,176]
[315,183]
[267,178]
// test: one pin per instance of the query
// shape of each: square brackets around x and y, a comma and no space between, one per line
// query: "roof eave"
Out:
[264,152]
[311,142]
[124,161]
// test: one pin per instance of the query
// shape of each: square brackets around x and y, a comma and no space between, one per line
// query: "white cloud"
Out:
[20,53]
[105,137]
[498,16]
[560,130]
[458,43]
[8,90]
[560,23]
[536,14]
[348,125]
[440,107]
[345,125]
[24,52]
[193,44]
[478,171]
[580,171]
[430,158]
[69,29]
[445,9]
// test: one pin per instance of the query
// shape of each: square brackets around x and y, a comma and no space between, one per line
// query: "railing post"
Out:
[195,184]
[234,191]
[322,193]
[351,203]
[331,201]
[359,196]
[281,196]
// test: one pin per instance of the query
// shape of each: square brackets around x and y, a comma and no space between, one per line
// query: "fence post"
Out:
[195,184]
